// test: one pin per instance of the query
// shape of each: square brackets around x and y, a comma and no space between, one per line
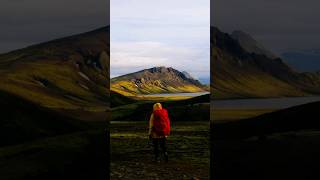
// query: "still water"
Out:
[270,103]
[177,94]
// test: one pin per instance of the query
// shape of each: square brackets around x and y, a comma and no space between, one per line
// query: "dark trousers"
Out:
[162,142]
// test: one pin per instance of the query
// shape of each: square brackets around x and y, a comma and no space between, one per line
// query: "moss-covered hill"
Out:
[156,80]
[54,100]
[69,73]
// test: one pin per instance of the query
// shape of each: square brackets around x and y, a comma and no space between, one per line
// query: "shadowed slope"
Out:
[23,121]
[70,72]
[119,100]
[251,45]
[297,118]
[237,73]
[54,99]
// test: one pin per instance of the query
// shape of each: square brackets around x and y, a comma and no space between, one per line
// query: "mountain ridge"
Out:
[237,73]
[155,80]
[249,44]
[70,72]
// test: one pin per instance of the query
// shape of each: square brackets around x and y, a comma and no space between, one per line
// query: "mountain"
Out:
[187,75]
[249,44]
[237,73]
[68,73]
[303,60]
[205,80]
[54,102]
[156,80]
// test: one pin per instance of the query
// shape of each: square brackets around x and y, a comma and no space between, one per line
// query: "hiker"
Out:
[159,129]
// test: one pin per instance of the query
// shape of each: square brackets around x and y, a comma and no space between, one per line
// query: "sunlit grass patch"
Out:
[129,135]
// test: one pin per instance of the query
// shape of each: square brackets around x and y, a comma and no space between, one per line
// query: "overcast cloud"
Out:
[168,33]
[279,24]
[27,22]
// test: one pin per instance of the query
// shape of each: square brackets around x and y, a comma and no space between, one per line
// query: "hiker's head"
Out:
[157,106]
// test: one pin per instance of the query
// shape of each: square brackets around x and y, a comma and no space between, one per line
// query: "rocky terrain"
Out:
[156,80]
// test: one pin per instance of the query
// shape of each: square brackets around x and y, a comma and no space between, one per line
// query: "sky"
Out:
[27,22]
[171,33]
[280,25]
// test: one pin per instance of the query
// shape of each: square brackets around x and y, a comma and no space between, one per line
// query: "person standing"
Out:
[159,130]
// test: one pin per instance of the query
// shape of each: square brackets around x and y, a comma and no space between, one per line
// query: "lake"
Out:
[270,103]
[177,94]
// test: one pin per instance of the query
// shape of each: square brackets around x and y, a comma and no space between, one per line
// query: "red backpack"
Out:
[161,122]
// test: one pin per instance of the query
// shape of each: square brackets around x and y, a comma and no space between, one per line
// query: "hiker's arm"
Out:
[150,124]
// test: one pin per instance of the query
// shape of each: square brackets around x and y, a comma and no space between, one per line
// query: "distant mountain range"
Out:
[156,80]
[303,60]
[204,80]
[73,72]
[238,73]
[307,60]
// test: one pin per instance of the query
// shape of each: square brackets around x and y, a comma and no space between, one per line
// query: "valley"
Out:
[185,98]
[132,155]
[57,99]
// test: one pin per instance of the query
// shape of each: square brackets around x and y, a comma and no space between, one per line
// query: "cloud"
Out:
[278,24]
[165,20]
[26,22]
[169,33]
[181,10]
[133,56]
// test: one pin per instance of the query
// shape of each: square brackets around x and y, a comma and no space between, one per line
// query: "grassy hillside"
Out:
[192,109]
[66,73]
[54,100]
[155,80]
[237,73]
[119,100]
